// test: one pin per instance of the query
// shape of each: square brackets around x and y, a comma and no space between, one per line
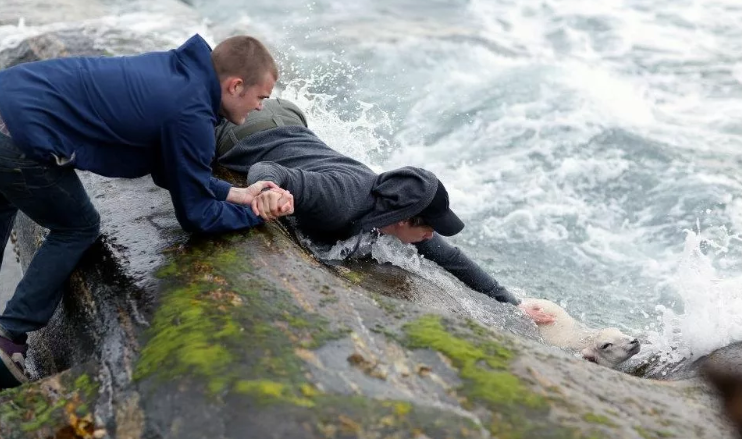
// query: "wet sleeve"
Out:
[453,260]
[198,198]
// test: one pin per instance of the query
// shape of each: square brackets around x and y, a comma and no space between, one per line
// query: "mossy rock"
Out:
[60,406]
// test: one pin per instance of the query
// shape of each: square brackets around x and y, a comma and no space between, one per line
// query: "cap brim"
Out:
[447,224]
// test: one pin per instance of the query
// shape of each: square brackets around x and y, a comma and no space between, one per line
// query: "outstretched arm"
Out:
[453,260]
[467,271]
[199,200]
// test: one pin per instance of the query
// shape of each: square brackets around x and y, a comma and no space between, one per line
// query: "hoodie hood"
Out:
[399,195]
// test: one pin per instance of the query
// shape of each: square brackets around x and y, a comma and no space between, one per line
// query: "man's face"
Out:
[238,100]
[408,233]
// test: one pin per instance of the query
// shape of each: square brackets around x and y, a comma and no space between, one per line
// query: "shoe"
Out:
[12,363]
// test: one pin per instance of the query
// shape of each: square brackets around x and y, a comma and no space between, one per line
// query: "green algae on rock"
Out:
[483,363]
[51,408]
[514,410]
[238,334]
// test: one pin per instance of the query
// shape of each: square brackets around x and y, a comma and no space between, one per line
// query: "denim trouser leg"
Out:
[54,198]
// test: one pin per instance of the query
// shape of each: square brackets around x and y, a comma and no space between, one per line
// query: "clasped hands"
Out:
[266,199]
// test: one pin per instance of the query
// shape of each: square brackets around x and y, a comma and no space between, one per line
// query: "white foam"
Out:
[153,25]
[712,304]
[612,97]
[356,137]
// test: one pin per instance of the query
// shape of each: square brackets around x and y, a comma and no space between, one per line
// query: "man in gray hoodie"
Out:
[336,197]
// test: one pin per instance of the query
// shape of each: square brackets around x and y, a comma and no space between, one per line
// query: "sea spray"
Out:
[711,305]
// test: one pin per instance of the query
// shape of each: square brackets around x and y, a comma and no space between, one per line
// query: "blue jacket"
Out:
[128,117]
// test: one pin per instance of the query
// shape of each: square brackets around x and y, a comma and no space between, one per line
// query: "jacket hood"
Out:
[399,195]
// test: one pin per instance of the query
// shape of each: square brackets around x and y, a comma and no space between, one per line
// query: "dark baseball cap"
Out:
[439,215]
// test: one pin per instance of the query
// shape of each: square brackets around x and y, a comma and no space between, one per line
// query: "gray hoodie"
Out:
[336,197]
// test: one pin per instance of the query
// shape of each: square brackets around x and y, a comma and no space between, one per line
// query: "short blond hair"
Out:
[245,57]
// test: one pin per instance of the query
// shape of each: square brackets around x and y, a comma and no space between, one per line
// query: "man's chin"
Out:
[234,120]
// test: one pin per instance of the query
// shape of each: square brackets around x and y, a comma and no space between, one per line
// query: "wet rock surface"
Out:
[167,335]
[46,46]
[727,382]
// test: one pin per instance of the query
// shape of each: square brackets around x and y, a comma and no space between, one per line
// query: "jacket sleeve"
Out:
[219,187]
[453,260]
[187,149]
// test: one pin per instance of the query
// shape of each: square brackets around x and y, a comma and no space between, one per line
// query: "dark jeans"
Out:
[54,198]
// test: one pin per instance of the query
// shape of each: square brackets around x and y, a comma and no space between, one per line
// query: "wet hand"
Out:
[273,203]
[245,196]
[539,316]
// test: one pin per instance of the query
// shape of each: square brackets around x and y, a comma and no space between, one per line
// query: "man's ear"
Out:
[589,355]
[233,85]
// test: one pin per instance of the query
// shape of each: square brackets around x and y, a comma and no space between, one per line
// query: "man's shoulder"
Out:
[187,105]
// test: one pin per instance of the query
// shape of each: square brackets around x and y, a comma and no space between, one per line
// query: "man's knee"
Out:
[92,229]
[86,230]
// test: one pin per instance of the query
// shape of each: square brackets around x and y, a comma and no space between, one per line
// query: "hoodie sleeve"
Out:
[187,149]
[453,260]
[268,171]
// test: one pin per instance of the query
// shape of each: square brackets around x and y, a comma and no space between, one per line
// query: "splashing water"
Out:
[711,316]
[359,134]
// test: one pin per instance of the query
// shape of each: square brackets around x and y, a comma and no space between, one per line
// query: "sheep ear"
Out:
[589,355]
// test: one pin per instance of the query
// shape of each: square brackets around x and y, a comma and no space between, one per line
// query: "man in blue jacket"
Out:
[118,117]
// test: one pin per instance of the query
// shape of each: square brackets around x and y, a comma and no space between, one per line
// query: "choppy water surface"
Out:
[593,148]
